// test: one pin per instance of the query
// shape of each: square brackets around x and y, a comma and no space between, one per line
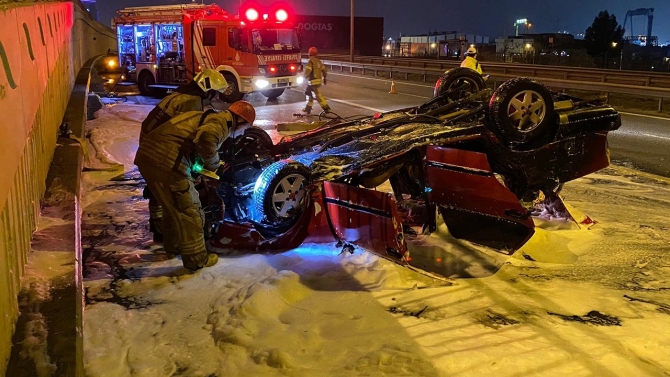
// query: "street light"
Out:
[522,21]
[614,44]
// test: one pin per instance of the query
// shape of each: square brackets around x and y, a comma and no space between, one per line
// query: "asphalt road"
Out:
[642,142]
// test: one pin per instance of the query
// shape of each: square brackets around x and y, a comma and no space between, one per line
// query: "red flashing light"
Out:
[273,69]
[252,14]
[292,68]
[281,15]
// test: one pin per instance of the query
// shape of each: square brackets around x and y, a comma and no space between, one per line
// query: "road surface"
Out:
[642,142]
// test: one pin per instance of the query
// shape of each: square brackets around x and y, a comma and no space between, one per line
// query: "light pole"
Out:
[614,44]
[351,34]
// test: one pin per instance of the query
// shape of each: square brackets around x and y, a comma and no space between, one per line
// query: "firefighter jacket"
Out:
[174,145]
[315,71]
[471,63]
[171,106]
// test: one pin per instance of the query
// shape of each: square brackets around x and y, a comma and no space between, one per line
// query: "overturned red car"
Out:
[470,157]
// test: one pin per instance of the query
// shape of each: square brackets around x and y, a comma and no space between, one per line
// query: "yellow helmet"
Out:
[210,79]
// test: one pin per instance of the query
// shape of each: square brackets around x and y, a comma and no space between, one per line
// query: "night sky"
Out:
[483,17]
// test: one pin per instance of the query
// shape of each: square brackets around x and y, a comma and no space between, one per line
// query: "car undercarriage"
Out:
[473,155]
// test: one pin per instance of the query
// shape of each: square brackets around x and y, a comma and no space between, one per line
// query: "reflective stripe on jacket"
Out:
[172,146]
[315,71]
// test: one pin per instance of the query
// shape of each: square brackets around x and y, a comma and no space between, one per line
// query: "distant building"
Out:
[547,48]
[91,8]
[547,43]
[450,44]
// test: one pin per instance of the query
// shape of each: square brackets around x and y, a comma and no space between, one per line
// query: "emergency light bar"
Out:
[277,14]
[281,15]
[251,14]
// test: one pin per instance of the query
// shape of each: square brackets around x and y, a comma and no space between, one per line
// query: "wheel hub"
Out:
[527,110]
[288,195]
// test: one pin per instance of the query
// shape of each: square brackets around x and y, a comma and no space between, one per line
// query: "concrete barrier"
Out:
[42,48]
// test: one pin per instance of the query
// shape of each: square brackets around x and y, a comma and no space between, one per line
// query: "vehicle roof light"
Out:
[252,14]
[281,15]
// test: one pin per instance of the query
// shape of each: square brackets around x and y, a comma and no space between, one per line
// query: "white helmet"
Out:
[210,79]
[471,51]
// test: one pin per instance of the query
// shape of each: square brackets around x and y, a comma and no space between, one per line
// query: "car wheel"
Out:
[254,141]
[144,81]
[281,192]
[273,93]
[521,112]
[470,80]
[232,92]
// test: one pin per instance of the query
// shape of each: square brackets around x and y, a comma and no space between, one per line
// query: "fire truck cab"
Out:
[162,47]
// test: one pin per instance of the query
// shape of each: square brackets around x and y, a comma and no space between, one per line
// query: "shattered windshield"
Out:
[275,40]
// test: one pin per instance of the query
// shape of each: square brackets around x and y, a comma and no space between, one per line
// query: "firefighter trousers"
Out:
[183,217]
[155,214]
[315,91]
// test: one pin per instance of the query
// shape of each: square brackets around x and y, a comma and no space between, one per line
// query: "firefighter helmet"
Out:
[244,110]
[471,51]
[210,79]
[312,51]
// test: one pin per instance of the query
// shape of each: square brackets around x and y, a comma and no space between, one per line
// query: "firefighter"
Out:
[470,60]
[315,72]
[166,157]
[190,97]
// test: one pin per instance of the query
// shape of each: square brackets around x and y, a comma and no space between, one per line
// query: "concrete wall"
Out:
[42,48]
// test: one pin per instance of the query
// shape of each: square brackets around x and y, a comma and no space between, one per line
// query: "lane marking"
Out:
[430,86]
[644,116]
[640,134]
[377,79]
[357,105]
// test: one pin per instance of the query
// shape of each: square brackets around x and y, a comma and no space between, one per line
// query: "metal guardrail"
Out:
[637,78]
[644,84]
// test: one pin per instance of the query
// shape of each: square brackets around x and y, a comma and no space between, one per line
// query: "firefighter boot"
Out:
[307,110]
[154,228]
[326,108]
[197,261]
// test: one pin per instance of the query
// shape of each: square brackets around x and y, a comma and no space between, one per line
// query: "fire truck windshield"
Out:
[275,40]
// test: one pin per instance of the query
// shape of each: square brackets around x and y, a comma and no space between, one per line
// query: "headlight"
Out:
[261,70]
[111,63]
[262,83]
[300,80]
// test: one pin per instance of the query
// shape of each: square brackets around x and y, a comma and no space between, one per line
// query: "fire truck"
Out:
[162,47]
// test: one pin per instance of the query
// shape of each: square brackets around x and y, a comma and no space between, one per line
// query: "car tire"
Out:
[280,194]
[145,79]
[459,76]
[232,92]
[254,141]
[259,136]
[521,112]
[273,93]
